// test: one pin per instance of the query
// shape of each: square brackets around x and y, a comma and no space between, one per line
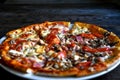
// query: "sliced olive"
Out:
[114,43]
[106,34]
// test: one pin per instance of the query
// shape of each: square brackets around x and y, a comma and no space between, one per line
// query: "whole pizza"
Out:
[60,48]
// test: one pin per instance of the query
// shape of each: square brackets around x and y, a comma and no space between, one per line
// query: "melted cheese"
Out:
[50,52]
[61,35]
[29,71]
[32,36]
[91,69]
[61,27]
[15,53]
[44,33]
[16,33]
[76,57]
[40,49]
[104,58]
[39,60]
[79,30]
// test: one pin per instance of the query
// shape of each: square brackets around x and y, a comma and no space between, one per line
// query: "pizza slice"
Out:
[100,47]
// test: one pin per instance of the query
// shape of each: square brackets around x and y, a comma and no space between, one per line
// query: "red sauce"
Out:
[17,45]
[19,41]
[24,35]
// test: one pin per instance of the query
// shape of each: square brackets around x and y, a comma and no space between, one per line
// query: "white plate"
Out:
[31,76]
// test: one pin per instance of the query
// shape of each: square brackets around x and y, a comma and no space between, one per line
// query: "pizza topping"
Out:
[12,42]
[89,49]
[15,53]
[83,65]
[113,43]
[79,30]
[29,71]
[50,52]
[37,65]
[16,33]
[52,39]
[103,49]
[98,35]
[62,54]
[106,34]
[79,39]
[25,35]
[40,49]
[19,47]
[76,57]
[42,42]
[91,69]
[103,58]
[87,35]
[44,33]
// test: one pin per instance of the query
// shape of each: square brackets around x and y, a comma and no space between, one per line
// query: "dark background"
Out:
[104,14]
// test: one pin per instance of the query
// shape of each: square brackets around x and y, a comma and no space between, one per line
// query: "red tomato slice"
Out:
[62,54]
[90,36]
[54,30]
[52,39]
[92,50]
[56,41]
[88,49]
[71,45]
[103,49]
[98,35]
[84,64]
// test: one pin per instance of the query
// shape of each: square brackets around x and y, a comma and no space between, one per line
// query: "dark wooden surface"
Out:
[104,14]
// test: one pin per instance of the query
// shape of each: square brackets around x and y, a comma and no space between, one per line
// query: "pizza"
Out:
[60,48]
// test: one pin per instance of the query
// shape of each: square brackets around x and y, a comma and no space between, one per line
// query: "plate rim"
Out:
[32,76]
